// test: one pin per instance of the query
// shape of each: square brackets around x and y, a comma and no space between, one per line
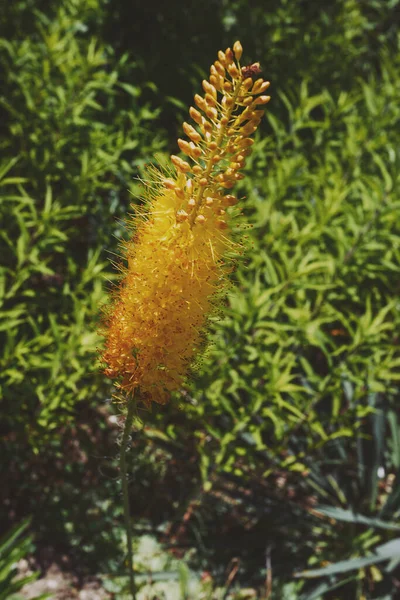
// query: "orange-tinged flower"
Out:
[176,258]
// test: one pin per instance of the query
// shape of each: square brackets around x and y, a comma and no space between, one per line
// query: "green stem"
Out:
[125,493]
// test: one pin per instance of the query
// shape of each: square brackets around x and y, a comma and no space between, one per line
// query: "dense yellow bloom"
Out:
[176,258]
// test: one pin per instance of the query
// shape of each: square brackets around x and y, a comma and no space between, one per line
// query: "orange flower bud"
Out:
[180,164]
[191,132]
[196,116]
[238,50]
[262,100]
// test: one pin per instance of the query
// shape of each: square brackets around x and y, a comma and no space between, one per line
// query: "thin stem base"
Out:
[125,492]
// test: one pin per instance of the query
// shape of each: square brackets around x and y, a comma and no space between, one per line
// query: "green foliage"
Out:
[362,478]
[71,132]
[13,548]
[45,333]
[328,44]
[316,303]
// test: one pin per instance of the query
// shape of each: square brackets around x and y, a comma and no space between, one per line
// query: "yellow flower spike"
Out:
[155,324]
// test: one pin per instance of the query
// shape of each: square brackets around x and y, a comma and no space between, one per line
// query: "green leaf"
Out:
[387,551]
[348,516]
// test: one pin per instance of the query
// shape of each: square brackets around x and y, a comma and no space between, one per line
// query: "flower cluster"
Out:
[155,324]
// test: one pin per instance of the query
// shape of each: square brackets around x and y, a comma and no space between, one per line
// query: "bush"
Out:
[71,132]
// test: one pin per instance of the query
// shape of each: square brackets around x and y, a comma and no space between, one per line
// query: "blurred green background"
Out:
[282,453]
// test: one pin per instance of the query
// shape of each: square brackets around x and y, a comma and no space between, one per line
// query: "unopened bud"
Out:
[249,128]
[233,71]
[227,102]
[210,99]
[257,85]
[181,216]
[238,50]
[244,143]
[221,224]
[247,83]
[211,113]
[222,58]
[209,89]
[262,100]
[169,184]
[219,67]
[185,147]
[201,103]
[191,132]
[229,200]
[196,151]
[196,116]
[229,55]
[215,81]
[180,164]
[264,86]
[227,184]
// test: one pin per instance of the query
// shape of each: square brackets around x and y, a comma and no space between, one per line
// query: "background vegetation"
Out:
[279,462]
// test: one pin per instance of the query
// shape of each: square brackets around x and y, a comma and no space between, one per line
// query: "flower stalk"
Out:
[125,493]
